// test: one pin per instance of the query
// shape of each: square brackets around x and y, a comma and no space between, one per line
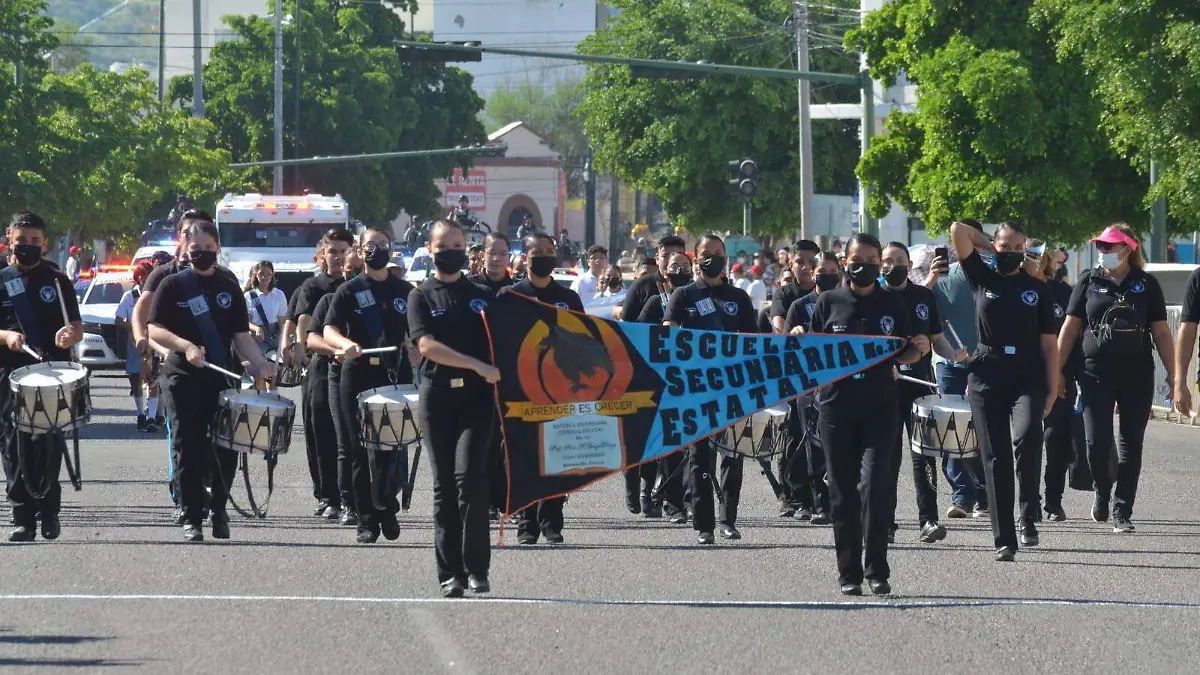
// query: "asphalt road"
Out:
[290,594]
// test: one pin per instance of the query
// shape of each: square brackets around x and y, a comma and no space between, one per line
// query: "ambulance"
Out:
[282,229]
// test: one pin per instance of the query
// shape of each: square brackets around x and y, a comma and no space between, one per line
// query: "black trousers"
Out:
[457,426]
[1060,448]
[924,469]
[1132,391]
[639,483]
[670,476]
[310,437]
[1006,394]
[497,471]
[32,485]
[859,440]
[543,517]
[346,438]
[702,461]
[792,465]
[375,504]
[191,431]
[319,431]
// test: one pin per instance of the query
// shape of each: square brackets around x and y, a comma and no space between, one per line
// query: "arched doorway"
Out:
[514,211]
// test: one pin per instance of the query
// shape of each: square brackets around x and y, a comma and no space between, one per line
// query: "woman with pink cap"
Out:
[1119,310]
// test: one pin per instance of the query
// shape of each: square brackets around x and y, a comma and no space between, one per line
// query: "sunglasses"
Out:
[1105,247]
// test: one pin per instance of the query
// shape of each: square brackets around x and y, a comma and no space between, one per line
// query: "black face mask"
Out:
[614,284]
[712,265]
[376,256]
[1061,274]
[679,279]
[896,274]
[542,265]
[203,260]
[449,261]
[828,282]
[1008,262]
[27,255]
[862,274]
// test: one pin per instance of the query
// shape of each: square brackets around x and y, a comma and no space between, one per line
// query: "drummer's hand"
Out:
[68,336]
[194,356]
[142,347]
[299,352]
[489,373]
[1183,399]
[267,370]
[16,342]
[921,342]
[960,355]
[349,353]
[1062,387]
[798,330]
[257,331]
[1050,399]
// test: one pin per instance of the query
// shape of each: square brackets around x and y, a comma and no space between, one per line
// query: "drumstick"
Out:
[224,372]
[954,334]
[378,350]
[63,305]
[916,381]
[31,352]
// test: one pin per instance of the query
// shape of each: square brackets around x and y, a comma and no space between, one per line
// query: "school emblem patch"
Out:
[1137,286]
[400,306]
[224,300]
[1030,298]
[477,305]
[922,311]
[730,308]
[1058,311]
[49,293]
[886,325]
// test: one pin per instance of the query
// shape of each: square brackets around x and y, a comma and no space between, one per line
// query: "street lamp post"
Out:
[589,179]
[278,182]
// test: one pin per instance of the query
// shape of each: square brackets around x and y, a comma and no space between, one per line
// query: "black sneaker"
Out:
[705,538]
[349,518]
[932,532]
[23,533]
[478,584]
[1005,554]
[787,510]
[891,536]
[220,524]
[319,509]
[141,422]
[193,532]
[366,535]
[180,516]
[1100,509]
[494,514]
[452,588]
[1029,534]
[678,518]
[730,532]
[332,513]
[51,527]
[390,527]
[1056,514]
[527,538]
[803,513]
[820,518]
[151,428]
[851,589]
[980,510]
[552,536]
[650,509]
[1121,524]
[634,506]
[880,587]
[160,421]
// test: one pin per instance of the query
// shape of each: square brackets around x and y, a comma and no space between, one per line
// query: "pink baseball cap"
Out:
[1111,235]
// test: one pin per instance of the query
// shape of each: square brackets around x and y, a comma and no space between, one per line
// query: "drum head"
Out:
[395,395]
[47,374]
[255,399]
[944,402]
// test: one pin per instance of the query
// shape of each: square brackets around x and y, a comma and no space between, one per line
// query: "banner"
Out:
[581,397]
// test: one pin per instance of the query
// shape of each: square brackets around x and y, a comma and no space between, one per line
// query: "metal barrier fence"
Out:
[1162,405]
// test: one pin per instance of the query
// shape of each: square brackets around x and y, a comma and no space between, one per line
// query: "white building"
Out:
[179,29]
[547,25]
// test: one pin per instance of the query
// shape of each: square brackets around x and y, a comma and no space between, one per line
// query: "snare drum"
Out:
[253,422]
[289,375]
[388,421]
[942,426]
[51,397]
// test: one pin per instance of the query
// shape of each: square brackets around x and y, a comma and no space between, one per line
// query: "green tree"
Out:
[674,138]
[356,97]
[1002,129]
[547,106]
[1144,61]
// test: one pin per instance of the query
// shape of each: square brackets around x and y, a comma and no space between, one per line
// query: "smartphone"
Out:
[941,252]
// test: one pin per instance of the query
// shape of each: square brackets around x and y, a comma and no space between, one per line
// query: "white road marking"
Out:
[896,603]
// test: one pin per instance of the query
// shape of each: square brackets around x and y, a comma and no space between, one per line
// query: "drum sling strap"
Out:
[15,289]
[256,298]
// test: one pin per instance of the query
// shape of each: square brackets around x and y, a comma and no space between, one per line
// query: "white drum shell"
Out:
[942,426]
[254,422]
[383,411]
[50,380]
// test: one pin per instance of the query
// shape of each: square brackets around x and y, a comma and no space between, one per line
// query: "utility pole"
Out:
[806,165]
[197,63]
[1158,219]
[296,126]
[614,218]
[589,222]
[162,48]
[278,183]
[747,213]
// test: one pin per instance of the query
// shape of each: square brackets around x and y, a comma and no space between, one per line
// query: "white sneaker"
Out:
[956,511]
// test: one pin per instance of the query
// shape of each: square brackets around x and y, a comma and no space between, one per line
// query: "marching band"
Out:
[391,369]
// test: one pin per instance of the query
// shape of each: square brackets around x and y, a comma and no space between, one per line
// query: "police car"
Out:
[102,345]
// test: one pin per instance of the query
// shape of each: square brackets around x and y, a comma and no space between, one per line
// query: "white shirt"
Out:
[742,283]
[757,290]
[587,286]
[125,307]
[73,269]
[274,305]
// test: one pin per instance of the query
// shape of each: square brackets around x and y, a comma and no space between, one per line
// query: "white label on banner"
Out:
[583,442]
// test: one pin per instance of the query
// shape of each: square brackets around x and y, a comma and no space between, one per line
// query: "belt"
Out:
[1004,350]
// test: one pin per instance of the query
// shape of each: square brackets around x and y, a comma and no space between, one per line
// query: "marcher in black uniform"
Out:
[197,314]
[859,419]
[925,329]
[320,433]
[1062,425]
[1119,309]
[541,257]
[709,303]
[1013,377]
[370,311]
[803,262]
[802,465]
[30,316]
[457,409]
[496,252]
[669,469]
[639,293]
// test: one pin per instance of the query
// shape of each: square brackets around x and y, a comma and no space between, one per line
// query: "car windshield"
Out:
[107,294]
[273,235]
[420,264]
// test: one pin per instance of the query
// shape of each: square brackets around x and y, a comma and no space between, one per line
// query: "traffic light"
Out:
[489,150]
[742,181]
[434,53]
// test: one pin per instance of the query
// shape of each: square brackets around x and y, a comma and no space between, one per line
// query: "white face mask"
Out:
[1110,260]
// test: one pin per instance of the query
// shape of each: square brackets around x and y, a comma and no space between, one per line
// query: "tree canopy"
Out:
[356,97]
[548,107]
[1002,129]
[675,138]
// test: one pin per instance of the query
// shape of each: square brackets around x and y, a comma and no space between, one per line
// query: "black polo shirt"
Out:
[880,312]
[654,310]
[43,285]
[493,286]
[452,314]
[171,309]
[1060,291]
[923,319]
[800,312]
[346,312]
[1012,313]
[305,299]
[641,291]
[783,298]
[723,307]
[1096,292]
[553,294]
[161,272]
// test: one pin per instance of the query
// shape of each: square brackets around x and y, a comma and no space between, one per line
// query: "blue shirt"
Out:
[956,304]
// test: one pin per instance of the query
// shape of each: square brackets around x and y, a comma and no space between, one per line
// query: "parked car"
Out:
[102,345]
